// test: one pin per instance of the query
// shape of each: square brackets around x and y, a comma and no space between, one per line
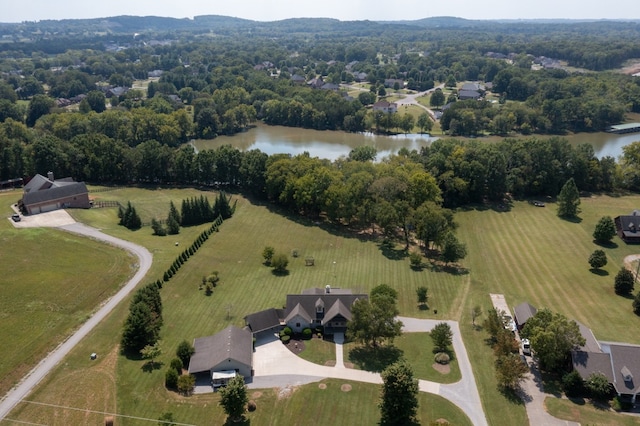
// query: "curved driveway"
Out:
[273,364]
[34,377]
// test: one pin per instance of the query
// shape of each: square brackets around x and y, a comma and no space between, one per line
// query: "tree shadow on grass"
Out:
[514,396]
[280,273]
[606,244]
[235,422]
[150,366]
[574,219]
[391,253]
[375,359]
[599,272]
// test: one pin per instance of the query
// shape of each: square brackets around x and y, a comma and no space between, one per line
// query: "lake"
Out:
[334,144]
[323,144]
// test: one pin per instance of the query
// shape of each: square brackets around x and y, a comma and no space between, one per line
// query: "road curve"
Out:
[26,385]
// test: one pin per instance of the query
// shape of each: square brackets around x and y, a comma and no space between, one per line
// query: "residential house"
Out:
[386,107]
[628,227]
[619,362]
[223,355]
[269,320]
[391,83]
[328,307]
[43,194]
[298,79]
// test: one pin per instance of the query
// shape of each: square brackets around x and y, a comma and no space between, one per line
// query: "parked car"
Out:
[16,217]
[526,347]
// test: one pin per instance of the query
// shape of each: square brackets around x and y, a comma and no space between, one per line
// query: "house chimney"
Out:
[327,289]
[50,176]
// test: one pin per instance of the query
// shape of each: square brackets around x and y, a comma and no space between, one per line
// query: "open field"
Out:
[51,282]
[245,287]
[527,253]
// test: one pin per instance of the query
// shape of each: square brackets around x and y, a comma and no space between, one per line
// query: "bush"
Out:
[415,258]
[624,282]
[442,358]
[184,352]
[285,339]
[636,304]
[279,262]
[598,259]
[186,382]
[286,331]
[267,254]
[176,364]
[598,386]
[251,406]
[307,333]
[171,378]
[573,384]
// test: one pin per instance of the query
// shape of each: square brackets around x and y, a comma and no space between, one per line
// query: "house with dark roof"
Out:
[628,227]
[43,194]
[619,362]
[328,307]
[268,320]
[223,355]
[522,313]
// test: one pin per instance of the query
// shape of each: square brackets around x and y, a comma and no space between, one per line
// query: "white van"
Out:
[526,347]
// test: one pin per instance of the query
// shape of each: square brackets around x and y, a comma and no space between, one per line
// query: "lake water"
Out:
[323,144]
[332,145]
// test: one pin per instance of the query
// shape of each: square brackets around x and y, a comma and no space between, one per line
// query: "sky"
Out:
[273,10]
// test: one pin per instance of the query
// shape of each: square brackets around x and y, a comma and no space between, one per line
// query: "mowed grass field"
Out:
[117,384]
[530,255]
[50,283]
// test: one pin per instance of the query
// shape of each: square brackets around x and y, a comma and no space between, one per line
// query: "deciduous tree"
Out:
[598,259]
[605,230]
[233,398]
[442,336]
[624,282]
[399,398]
[421,292]
[510,371]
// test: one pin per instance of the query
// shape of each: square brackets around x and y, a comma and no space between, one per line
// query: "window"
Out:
[298,325]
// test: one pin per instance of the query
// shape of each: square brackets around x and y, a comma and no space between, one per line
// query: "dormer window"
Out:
[319,306]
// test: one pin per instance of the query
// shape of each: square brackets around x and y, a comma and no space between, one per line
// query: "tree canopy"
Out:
[569,200]
[399,397]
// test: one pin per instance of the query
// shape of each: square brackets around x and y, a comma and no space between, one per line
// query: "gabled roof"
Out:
[587,363]
[468,94]
[231,343]
[37,183]
[523,312]
[263,320]
[338,308]
[298,310]
[626,357]
[58,191]
[476,87]
[336,302]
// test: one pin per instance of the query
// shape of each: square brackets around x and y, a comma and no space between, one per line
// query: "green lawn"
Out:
[51,282]
[246,286]
[586,413]
[527,253]
[319,351]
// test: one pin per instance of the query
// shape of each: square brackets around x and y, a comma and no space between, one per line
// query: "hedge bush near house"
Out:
[307,333]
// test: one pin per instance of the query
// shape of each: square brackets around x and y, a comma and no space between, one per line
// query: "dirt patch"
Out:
[345,388]
[256,395]
[330,363]
[631,67]
[348,365]
[322,386]
[286,392]
[442,368]
[442,422]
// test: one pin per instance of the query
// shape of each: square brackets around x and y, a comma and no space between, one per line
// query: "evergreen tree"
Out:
[624,282]
[569,200]
[157,227]
[636,304]
[173,220]
[605,230]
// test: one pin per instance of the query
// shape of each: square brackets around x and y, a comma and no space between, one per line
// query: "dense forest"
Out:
[118,108]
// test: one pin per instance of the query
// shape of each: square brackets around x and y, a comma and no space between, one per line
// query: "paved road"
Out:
[34,377]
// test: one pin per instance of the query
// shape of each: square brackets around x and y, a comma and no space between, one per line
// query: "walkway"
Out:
[338,339]
[20,391]
[273,364]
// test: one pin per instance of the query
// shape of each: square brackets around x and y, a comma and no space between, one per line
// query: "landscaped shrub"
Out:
[171,378]
[251,406]
[442,358]
[307,333]
[286,331]
[184,352]
[176,364]
[285,339]
[573,384]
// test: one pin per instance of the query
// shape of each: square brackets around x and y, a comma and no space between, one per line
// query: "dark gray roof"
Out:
[37,183]
[61,189]
[263,320]
[231,343]
[523,312]
[338,308]
[305,303]
[591,344]
[626,357]
[630,225]
[587,363]
[298,310]
[471,87]
[469,94]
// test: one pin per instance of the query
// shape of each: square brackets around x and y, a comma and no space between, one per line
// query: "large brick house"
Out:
[44,194]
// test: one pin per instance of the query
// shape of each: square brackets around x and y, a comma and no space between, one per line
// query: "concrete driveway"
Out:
[275,366]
